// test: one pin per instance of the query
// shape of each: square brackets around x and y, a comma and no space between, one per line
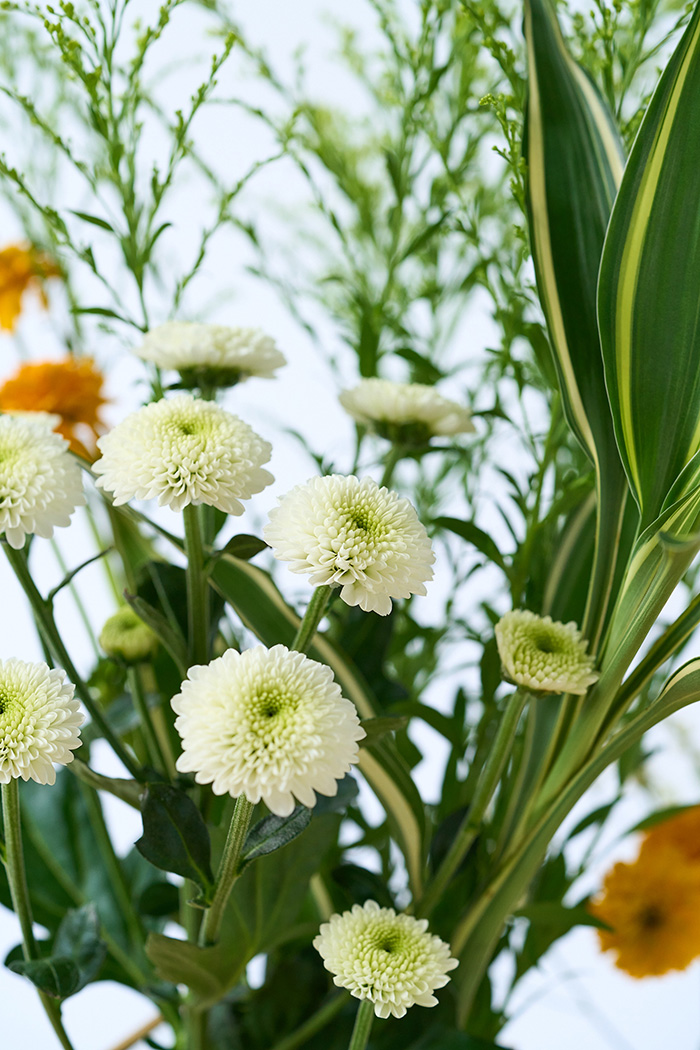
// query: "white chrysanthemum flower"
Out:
[355,535]
[40,483]
[544,655]
[183,450]
[39,721]
[387,958]
[408,412]
[269,724]
[211,354]
[126,637]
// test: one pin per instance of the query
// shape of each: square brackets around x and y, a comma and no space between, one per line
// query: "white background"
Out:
[577,999]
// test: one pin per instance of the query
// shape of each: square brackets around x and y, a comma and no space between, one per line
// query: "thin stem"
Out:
[197,589]
[49,633]
[312,618]
[155,752]
[136,1037]
[391,461]
[228,869]
[314,1024]
[19,892]
[486,785]
[363,1026]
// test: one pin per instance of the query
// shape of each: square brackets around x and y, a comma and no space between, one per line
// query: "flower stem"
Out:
[228,869]
[324,1014]
[391,461]
[19,892]
[155,752]
[49,632]
[197,589]
[363,1026]
[312,618]
[486,785]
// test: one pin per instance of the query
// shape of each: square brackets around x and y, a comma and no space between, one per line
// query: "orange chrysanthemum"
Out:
[21,267]
[681,832]
[653,909]
[71,389]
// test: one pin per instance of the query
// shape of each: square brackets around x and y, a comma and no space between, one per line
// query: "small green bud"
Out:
[127,638]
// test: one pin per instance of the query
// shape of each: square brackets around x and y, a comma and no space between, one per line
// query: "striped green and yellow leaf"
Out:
[649,287]
[574,166]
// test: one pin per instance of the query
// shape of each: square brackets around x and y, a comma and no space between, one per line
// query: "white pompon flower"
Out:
[39,721]
[390,959]
[40,483]
[269,724]
[211,354]
[544,655]
[355,535]
[181,451]
[407,412]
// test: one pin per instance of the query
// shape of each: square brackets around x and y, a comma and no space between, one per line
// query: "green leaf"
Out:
[78,938]
[376,728]
[476,536]
[574,164]
[94,220]
[648,288]
[57,977]
[175,837]
[244,546]
[272,833]
[261,913]
[171,639]
[661,815]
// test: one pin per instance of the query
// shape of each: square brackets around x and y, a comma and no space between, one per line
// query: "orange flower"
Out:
[681,832]
[653,909]
[21,267]
[71,389]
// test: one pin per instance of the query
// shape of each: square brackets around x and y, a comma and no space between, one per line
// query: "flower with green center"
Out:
[269,724]
[211,355]
[390,959]
[181,451]
[127,638]
[39,721]
[543,655]
[40,482]
[407,413]
[352,534]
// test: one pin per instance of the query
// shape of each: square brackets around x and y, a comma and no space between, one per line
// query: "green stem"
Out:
[49,632]
[312,618]
[228,869]
[363,1026]
[19,892]
[155,752]
[391,461]
[197,589]
[301,1035]
[485,788]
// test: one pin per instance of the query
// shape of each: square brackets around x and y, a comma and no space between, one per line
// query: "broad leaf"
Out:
[175,837]
[648,288]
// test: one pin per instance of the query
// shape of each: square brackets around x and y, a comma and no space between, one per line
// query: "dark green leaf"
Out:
[244,546]
[159,899]
[476,536]
[272,833]
[58,977]
[175,837]
[376,728]
[78,938]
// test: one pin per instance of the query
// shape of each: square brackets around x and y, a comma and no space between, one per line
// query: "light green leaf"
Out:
[648,288]
[574,164]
